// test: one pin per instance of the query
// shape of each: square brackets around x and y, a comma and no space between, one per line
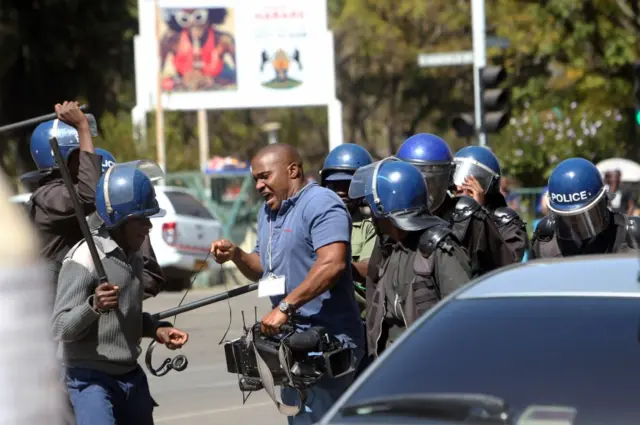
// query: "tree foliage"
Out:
[562,51]
[541,139]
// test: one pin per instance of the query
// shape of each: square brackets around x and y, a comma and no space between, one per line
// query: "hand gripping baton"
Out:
[41,119]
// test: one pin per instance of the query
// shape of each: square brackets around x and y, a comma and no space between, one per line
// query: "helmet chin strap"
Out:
[107,200]
[374,183]
[54,132]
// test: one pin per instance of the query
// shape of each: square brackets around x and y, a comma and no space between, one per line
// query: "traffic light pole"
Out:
[486,80]
[479,62]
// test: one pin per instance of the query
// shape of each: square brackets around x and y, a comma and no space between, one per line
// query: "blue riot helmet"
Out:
[126,191]
[395,190]
[479,162]
[343,161]
[41,151]
[432,156]
[578,200]
[108,160]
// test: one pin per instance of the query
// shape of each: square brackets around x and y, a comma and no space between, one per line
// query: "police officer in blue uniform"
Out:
[420,261]
[579,220]
[50,206]
[153,278]
[477,174]
[472,224]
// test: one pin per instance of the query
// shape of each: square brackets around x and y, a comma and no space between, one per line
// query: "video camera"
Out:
[294,359]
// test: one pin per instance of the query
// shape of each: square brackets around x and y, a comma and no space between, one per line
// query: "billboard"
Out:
[226,54]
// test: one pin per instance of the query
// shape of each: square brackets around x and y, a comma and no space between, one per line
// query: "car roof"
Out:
[24,197]
[609,275]
[162,190]
[173,189]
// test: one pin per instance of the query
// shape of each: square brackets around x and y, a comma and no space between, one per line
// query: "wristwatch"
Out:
[286,308]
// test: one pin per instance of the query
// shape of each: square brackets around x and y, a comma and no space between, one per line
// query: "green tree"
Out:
[536,141]
[385,95]
[63,50]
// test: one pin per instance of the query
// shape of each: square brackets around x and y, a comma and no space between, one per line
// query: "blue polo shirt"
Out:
[313,218]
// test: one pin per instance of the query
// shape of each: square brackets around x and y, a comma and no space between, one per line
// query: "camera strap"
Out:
[267,378]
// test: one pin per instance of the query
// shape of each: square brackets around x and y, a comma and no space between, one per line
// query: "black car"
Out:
[548,342]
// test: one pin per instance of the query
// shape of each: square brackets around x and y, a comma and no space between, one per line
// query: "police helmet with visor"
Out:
[395,190]
[126,191]
[343,161]
[432,156]
[479,162]
[578,200]
[150,168]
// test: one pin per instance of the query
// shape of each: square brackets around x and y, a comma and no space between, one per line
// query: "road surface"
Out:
[205,393]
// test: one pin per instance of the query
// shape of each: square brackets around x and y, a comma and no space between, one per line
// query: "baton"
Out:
[35,120]
[82,221]
[205,301]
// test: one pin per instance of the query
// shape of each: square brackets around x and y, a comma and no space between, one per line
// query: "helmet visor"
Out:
[585,224]
[438,179]
[150,168]
[466,167]
[363,182]
[337,176]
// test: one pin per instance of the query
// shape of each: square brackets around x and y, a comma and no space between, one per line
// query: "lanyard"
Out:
[269,244]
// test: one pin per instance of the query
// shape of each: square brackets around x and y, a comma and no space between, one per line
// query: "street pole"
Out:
[479,62]
[271,128]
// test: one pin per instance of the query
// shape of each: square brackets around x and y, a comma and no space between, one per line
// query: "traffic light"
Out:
[495,101]
[636,90]
[464,125]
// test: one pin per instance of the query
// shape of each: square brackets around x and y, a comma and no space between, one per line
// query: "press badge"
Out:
[271,286]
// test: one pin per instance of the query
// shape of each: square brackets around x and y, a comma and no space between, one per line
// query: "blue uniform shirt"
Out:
[313,218]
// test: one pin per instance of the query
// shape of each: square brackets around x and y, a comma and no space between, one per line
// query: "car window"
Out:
[185,204]
[579,352]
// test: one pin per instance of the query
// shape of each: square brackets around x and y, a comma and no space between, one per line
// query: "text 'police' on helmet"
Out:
[570,197]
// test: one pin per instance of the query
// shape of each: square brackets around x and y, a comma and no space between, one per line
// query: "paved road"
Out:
[205,393]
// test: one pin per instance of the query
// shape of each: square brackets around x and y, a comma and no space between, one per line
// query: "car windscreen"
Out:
[578,352]
[185,204]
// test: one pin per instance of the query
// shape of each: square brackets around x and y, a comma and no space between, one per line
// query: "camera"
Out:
[307,356]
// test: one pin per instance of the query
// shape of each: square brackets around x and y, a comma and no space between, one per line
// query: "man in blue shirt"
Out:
[302,260]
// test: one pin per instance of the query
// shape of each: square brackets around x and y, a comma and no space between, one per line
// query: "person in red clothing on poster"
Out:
[196,55]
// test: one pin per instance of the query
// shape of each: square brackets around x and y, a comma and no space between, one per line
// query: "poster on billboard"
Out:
[198,49]
[227,54]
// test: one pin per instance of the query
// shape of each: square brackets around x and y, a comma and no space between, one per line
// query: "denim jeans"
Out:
[320,397]
[102,399]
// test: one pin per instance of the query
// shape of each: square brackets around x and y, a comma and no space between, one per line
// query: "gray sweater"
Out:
[109,342]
